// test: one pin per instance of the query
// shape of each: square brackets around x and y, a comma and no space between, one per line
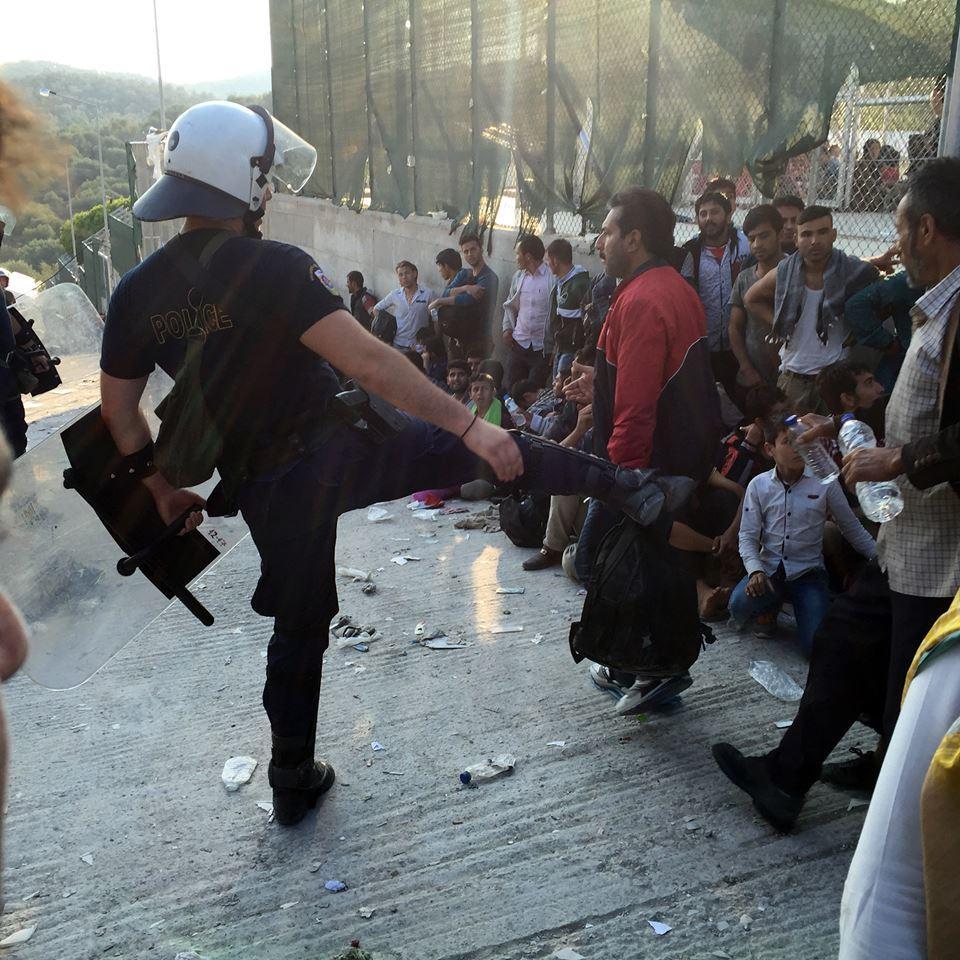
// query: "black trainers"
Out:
[779,808]
[297,789]
[860,773]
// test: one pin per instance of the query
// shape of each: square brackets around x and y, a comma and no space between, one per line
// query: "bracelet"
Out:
[472,422]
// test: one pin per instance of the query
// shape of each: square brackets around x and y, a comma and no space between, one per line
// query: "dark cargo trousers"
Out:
[292,515]
[859,661]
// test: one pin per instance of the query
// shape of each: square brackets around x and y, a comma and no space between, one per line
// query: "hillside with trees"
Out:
[129,106]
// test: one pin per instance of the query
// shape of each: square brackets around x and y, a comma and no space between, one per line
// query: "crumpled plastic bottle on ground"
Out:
[499,766]
[775,681]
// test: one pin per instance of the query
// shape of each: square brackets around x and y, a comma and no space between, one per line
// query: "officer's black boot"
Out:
[297,779]
[641,494]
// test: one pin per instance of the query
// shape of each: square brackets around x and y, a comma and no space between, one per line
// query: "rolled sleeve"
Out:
[852,529]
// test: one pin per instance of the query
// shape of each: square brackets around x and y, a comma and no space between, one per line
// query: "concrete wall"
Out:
[342,240]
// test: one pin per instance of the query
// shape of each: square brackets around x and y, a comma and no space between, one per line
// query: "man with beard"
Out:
[790,208]
[654,398]
[804,301]
[712,265]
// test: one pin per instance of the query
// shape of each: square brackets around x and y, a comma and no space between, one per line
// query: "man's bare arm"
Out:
[387,373]
[759,298]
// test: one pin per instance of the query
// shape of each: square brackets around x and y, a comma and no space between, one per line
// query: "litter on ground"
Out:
[21,936]
[775,681]
[237,771]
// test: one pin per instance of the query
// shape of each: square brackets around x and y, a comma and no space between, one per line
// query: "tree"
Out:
[89,222]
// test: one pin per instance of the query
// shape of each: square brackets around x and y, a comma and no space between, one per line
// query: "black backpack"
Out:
[640,614]
[524,519]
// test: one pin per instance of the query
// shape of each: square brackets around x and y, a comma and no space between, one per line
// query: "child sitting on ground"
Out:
[781,538]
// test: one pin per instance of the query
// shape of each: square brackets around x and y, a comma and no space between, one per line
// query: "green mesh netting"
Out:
[428,103]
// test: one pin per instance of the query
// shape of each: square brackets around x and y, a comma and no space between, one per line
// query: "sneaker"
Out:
[297,789]
[647,694]
[860,773]
[544,559]
[779,808]
[602,679]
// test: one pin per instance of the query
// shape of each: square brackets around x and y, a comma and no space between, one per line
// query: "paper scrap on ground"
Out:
[367,912]
[377,514]
[289,904]
[854,803]
[353,573]
[377,746]
[21,936]
[511,629]
[659,928]
[537,638]
[87,858]
[783,724]
[511,590]
[237,771]
[404,560]
[265,805]
[568,953]
[557,743]
[444,643]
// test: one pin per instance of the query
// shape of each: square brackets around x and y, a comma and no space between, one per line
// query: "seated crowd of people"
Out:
[796,327]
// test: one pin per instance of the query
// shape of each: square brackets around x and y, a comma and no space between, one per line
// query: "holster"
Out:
[366,413]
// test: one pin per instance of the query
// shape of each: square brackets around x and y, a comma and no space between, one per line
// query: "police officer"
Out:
[272,329]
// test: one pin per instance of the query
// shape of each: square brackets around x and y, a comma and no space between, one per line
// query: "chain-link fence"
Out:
[552,105]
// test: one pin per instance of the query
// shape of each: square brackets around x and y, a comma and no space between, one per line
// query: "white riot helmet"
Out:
[219,157]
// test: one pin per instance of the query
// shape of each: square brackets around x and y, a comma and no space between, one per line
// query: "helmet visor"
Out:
[294,159]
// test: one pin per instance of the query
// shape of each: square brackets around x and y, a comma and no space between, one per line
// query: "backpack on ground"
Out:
[641,613]
[524,519]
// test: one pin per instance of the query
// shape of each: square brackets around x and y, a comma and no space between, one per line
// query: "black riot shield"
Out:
[168,558]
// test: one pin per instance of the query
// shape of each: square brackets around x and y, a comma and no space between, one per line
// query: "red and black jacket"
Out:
[655,399]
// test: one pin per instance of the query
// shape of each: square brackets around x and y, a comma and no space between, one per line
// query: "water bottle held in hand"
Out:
[514,410]
[815,455]
[880,499]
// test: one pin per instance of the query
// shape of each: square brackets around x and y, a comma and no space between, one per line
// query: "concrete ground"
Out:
[122,842]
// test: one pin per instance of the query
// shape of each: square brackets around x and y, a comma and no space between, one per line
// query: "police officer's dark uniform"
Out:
[299,466]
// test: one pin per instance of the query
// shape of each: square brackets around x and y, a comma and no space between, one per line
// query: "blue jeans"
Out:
[807,593]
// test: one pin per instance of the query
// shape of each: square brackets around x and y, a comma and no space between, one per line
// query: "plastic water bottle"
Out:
[815,455]
[880,499]
[514,410]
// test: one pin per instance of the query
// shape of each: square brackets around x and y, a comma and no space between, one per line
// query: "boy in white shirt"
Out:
[781,538]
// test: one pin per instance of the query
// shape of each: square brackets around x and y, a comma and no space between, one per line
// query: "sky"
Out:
[199,39]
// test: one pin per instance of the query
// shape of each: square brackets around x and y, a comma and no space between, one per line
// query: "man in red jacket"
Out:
[655,400]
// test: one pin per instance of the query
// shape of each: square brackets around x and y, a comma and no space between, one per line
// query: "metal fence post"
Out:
[368,98]
[653,88]
[551,105]
[326,58]
[474,106]
[776,63]
[412,160]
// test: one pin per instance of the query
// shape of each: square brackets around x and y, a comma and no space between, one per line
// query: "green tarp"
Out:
[428,102]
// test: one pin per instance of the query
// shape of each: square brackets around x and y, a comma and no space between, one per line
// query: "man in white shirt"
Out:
[409,304]
[526,316]
[803,301]
[781,538]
